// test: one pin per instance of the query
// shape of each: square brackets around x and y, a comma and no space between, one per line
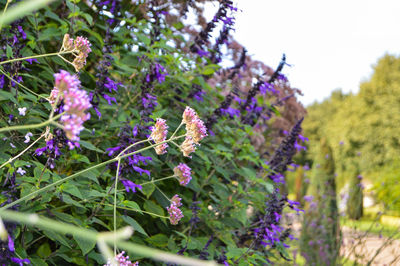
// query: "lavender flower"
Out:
[129,185]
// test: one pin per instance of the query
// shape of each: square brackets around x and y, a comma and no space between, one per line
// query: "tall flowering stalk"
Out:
[75,103]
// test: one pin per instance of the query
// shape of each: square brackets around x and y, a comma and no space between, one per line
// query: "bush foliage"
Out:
[144,63]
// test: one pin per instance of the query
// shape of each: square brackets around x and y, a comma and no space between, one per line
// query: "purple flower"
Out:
[267,87]
[30,61]
[129,185]
[232,112]
[308,198]
[112,150]
[11,244]
[140,170]
[202,53]
[198,95]
[1,81]
[302,138]
[20,261]
[299,147]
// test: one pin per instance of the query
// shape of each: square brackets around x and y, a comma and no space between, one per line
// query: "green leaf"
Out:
[90,146]
[153,208]
[132,204]
[9,52]
[148,189]
[44,250]
[143,38]
[57,237]
[84,244]
[132,222]
[158,240]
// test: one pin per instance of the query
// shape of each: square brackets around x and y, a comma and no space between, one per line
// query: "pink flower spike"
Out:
[159,134]
[189,115]
[65,81]
[82,45]
[175,214]
[176,200]
[122,260]
[184,173]
[188,146]
[197,130]
[75,103]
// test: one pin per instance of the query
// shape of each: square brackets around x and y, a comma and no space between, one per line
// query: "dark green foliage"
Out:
[228,169]
[320,230]
[354,209]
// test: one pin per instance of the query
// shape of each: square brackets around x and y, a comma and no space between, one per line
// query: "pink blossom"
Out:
[176,200]
[122,260]
[82,45]
[75,103]
[195,127]
[175,214]
[188,146]
[159,134]
[189,115]
[184,173]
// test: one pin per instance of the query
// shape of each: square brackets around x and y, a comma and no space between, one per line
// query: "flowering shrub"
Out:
[93,136]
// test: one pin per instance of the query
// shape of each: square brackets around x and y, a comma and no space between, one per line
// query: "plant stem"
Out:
[141,211]
[115,206]
[43,189]
[4,11]
[14,158]
[156,180]
[162,192]
[132,145]
[45,123]
[34,56]
[92,236]
[176,130]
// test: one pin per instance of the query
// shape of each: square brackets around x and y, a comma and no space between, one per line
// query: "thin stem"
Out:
[45,123]
[22,86]
[54,106]
[14,158]
[162,192]
[43,189]
[93,236]
[115,206]
[176,144]
[34,56]
[62,57]
[132,145]
[4,11]
[141,211]
[157,180]
[176,130]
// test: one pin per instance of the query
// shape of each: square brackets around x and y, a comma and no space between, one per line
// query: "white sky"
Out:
[330,44]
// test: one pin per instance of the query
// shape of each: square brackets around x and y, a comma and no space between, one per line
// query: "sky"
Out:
[330,44]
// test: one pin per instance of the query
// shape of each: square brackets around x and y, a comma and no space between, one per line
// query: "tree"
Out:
[354,208]
[320,231]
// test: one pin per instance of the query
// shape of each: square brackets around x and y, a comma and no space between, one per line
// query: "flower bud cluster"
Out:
[75,103]
[184,173]
[175,214]
[159,134]
[80,47]
[195,131]
[122,260]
